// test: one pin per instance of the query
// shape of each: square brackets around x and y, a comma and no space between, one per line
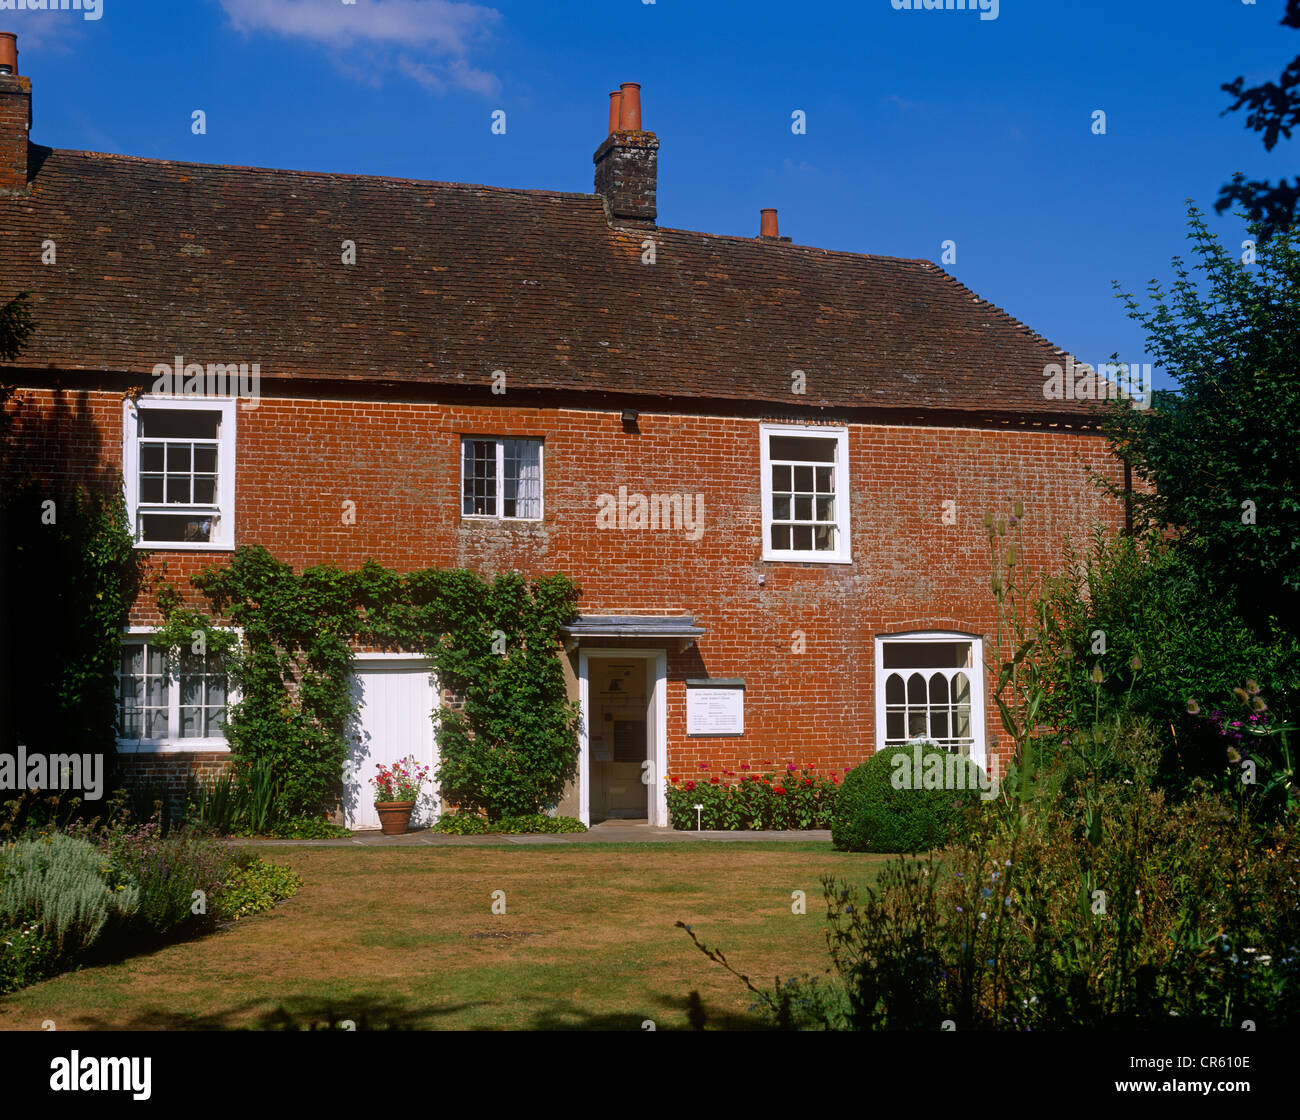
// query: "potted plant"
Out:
[396,789]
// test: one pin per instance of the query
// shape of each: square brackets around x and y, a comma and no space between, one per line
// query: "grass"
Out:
[406,938]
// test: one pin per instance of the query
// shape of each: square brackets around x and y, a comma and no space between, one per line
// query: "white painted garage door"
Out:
[394,704]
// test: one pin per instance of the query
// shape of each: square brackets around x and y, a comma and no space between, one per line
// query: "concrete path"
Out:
[607,832]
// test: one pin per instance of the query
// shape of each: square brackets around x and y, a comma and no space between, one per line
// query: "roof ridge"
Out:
[116,157]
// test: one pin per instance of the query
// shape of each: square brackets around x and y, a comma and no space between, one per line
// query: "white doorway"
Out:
[623,735]
[393,696]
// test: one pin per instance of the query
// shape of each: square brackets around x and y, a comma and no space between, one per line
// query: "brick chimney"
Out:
[15,117]
[627,163]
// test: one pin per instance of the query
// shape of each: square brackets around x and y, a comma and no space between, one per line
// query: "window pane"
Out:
[916,691]
[180,423]
[523,478]
[479,495]
[825,509]
[824,538]
[178,458]
[894,727]
[803,508]
[216,726]
[927,655]
[961,722]
[178,490]
[205,460]
[825,480]
[803,479]
[216,691]
[938,689]
[802,537]
[894,693]
[916,727]
[961,689]
[781,477]
[205,490]
[781,507]
[152,457]
[163,527]
[781,537]
[151,488]
[190,722]
[802,449]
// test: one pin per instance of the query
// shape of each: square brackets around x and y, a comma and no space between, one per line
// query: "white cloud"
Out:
[441,30]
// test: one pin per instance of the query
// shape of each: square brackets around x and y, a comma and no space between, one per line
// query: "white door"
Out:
[394,701]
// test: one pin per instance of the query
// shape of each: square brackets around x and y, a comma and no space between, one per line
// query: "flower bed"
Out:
[795,798]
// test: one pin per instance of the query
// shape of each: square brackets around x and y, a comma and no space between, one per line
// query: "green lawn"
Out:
[406,937]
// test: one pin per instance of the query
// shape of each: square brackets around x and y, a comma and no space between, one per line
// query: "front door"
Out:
[394,701]
[619,738]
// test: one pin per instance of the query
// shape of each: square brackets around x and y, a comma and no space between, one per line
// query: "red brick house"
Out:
[766,464]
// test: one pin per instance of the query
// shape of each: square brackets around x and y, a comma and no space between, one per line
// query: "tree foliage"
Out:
[1274,110]
[1217,460]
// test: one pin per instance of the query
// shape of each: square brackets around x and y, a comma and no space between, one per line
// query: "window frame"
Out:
[140,635]
[500,442]
[843,553]
[978,684]
[223,509]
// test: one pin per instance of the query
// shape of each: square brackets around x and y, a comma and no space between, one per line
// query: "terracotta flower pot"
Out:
[394,816]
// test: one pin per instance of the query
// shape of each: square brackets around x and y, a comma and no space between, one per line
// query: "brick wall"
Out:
[172,769]
[299,461]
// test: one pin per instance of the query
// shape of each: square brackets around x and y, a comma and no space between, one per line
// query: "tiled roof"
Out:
[452,282]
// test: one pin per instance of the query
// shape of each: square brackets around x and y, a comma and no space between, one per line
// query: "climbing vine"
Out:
[509,744]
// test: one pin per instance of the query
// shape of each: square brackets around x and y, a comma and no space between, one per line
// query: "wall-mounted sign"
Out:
[715,707]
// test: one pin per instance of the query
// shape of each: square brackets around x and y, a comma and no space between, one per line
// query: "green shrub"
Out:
[67,886]
[467,824]
[538,822]
[460,824]
[254,888]
[308,828]
[884,807]
[795,798]
[168,870]
[27,955]
[1109,906]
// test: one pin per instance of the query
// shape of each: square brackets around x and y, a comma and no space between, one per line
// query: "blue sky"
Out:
[922,126]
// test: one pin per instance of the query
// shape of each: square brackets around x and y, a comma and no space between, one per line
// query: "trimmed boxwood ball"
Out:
[872,814]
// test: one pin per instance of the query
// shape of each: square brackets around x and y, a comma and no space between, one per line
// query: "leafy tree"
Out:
[1218,458]
[1274,111]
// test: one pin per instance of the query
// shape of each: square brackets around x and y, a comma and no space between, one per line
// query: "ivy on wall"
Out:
[509,748]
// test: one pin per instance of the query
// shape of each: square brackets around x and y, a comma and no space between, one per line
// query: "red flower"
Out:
[690,785]
[807,781]
[789,768]
[714,780]
[703,766]
[744,765]
[778,789]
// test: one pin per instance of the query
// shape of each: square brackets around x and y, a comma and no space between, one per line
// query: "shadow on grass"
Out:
[362,1013]
[365,1013]
[686,1013]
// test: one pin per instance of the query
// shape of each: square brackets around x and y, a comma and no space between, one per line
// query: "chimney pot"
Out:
[629,114]
[627,163]
[767,226]
[8,52]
